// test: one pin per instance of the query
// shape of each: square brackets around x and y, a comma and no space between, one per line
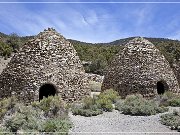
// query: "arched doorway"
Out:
[46,90]
[161,87]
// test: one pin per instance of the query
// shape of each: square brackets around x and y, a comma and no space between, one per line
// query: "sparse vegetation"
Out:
[87,112]
[5,50]
[87,108]
[106,99]
[96,105]
[5,131]
[59,125]
[6,104]
[104,104]
[110,94]
[169,99]
[52,106]
[99,54]
[25,118]
[119,103]
[137,105]
[172,120]
[49,115]
[175,102]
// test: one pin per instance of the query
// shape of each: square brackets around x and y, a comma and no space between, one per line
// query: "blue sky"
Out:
[92,22]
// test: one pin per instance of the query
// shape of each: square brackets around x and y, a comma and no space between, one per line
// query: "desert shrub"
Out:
[109,94]
[106,99]
[36,117]
[175,102]
[96,105]
[170,94]
[49,115]
[87,108]
[88,103]
[172,120]
[87,112]
[57,125]
[2,112]
[28,132]
[169,99]
[137,105]
[119,104]
[5,131]
[25,118]
[5,49]
[15,123]
[52,106]
[95,86]
[6,104]
[162,100]
[104,104]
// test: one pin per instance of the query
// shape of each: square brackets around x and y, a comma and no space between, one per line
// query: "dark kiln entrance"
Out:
[47,90]
[161,87]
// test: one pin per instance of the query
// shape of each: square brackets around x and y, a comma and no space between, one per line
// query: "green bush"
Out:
[35,117]
[96,105]
[106,99]
[172,120]
[5,49]
[2,112]
[28,132]
[4,131]
[137,105]
[88,103]
[87,112]
[49,115]
[6,104]
[175,102]
[110,94]
[104,104]
[25,118]
[169,99]
[57,125]
[87,108]
[119,104]
[52,106]
[170,95]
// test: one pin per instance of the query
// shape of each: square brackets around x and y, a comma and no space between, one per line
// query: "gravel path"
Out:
[116,123]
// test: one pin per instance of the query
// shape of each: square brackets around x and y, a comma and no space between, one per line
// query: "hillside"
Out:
[100,54]
[96,56]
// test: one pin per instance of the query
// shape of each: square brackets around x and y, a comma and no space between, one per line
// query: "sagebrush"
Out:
[172,120]
[48,115]
[137,105]
[96,105]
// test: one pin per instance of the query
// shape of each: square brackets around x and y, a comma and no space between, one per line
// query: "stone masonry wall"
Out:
[137,69]
[48,58]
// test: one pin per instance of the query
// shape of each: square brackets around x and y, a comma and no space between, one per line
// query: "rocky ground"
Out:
[116,123]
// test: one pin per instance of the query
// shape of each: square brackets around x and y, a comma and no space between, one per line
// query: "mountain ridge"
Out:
[120,41]
[98,54]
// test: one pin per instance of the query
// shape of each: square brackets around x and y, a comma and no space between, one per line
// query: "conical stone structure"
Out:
[46,65]
[140,68]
